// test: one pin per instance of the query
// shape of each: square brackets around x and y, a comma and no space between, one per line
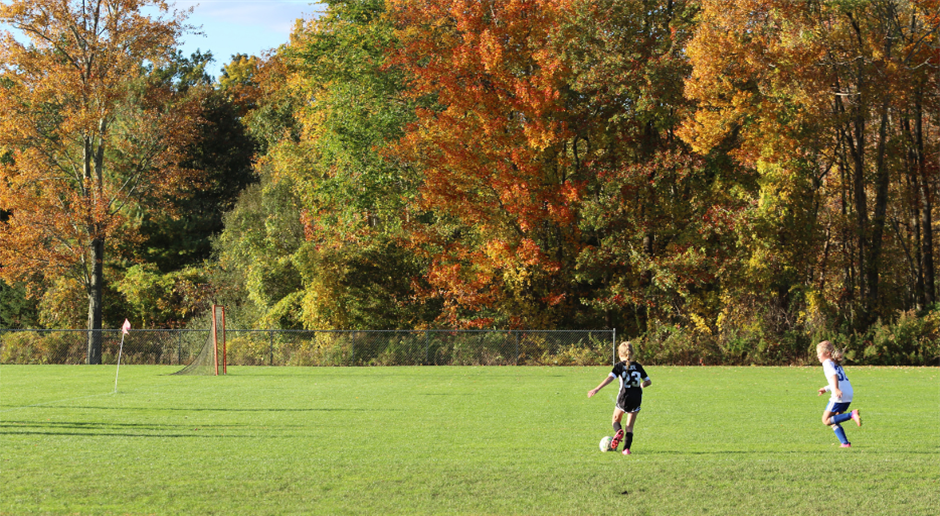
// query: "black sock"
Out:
[617,428]
[629,441]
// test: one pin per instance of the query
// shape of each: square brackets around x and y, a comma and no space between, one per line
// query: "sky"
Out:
[232,27]
[242,26]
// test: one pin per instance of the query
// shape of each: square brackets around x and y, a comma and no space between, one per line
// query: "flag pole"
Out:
[124,331]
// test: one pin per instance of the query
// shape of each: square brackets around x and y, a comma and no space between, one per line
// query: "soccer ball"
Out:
[605,443]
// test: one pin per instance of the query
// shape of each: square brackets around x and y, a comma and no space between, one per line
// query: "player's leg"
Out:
[618,429]
[835,414]
[628,442]
[841,416]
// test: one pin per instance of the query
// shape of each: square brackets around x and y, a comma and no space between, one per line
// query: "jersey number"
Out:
[635,382]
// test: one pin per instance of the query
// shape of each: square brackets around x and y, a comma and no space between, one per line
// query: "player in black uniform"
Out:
[632,381]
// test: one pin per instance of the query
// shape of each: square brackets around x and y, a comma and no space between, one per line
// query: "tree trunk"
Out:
[646,279]
[95,287]
[94,170]
[879,218]
[861,210]
[930,289]
[917,216]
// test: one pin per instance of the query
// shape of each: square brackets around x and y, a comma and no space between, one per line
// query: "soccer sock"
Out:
[840,433]
[617,427]
[840,418]
[629,441]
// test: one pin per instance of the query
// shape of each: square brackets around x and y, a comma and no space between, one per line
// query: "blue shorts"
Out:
[838,408]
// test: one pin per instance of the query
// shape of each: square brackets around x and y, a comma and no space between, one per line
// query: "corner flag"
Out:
[125,329]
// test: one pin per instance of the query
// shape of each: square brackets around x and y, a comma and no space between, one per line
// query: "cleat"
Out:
[617,438]
[846,445]
[626,451]
[857,417]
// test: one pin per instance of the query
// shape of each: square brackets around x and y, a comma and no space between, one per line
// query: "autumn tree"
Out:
[86,134]
[828,101]
[655,216]
[497,184]
[263,230]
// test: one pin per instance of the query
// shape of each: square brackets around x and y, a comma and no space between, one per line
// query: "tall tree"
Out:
[357,272]
[179,231]
[655,215]
[815,96]
[319,242]
[491,152]
[87,134]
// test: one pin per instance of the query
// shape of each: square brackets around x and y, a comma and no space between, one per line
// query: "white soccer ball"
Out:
[605,443]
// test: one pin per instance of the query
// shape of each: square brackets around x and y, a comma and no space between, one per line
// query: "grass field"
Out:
[460,440]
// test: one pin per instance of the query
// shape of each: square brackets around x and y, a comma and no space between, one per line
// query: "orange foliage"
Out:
[83,133]
[488,148]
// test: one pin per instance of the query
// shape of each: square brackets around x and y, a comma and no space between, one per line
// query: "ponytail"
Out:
[625,350]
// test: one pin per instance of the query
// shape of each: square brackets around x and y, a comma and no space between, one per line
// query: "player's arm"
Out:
[646,379]
[603,384]
[834,385]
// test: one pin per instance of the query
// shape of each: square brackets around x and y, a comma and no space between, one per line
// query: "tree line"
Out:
[731,179]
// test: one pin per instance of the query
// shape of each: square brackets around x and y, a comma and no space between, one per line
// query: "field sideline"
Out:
[460,440]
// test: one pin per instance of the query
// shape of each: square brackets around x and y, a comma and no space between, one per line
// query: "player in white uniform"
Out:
[632,381]
[841,389]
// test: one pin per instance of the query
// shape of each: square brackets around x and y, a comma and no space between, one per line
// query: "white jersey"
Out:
[831,369]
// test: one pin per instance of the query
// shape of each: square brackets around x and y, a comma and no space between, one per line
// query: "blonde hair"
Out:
[834,353]
[625,351]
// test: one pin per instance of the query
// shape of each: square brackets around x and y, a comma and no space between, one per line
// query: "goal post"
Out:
[213,353]
[218,321]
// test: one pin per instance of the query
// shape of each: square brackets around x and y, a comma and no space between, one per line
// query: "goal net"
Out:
[211,359]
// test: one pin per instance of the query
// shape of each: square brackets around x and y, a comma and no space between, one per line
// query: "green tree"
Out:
[329,212]
[17,309]
[178,232]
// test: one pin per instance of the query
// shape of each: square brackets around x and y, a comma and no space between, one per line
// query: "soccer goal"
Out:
[211,359]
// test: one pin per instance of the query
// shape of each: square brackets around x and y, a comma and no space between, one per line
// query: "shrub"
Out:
[909,340]
[36,347]
[247,351]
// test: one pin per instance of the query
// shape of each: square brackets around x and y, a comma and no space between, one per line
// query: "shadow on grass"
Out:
[81,429]
[190,409]
[826,451]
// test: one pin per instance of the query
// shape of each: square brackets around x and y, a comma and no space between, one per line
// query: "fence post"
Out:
[614,347]
[517,348]
[271,348]
[179,346]
[427,345]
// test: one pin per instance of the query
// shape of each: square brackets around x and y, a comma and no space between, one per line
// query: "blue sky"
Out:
[242,26]
[238,26]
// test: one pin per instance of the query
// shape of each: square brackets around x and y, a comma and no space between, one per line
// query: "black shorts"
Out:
[629,400]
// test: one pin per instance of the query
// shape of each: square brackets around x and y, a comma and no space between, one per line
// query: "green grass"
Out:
[460,440]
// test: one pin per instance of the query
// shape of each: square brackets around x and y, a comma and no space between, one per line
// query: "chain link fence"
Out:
[169,347]
[320,347]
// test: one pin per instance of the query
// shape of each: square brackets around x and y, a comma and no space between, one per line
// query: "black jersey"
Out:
[631,379]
